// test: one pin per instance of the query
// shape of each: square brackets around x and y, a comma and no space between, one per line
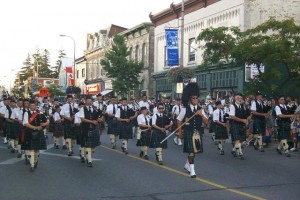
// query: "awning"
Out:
[105,92]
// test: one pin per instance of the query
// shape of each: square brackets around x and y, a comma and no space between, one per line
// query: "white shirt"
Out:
[155,111]
[110,109]
[99,105]
[210,110]
[65,110]
[1,104]
[175,109]
[18,113]
[77,119]
[56,116]
[253,105]
[216,115]
[3,110]
[26,119]
[118,113]
[278,110]
[232,109]
[183,112]
[13,114]
[154,117]
[142,120]
[144,104]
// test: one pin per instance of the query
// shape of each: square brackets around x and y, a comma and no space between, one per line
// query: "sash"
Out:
[33,117]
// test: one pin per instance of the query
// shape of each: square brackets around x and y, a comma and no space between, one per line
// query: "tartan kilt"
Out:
[259,127]
[92,140]
[145,138]
[284,130]
[69,130]
[11,130]
[212,125]
[220,132]
[156,137]
[125,133]
[51,125]
[37,144]
[174,126]
[58,130]
[238,131]
[188,146]
[112,126]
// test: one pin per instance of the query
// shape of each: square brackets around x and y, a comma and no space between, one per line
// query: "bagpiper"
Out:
[194,118]
[35,122]
[283,126]
[144,132]
[219,119]
[175,112]
[101,106]
[112,122]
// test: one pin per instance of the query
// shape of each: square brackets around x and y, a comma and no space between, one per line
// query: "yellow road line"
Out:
[187,175]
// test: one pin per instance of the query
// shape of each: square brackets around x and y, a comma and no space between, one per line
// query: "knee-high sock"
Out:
[259,138]
[144,149]
[82,150]
[69,144]
[124,143]
[88,154]
[36,155]
[221,143]
[285,145]
[159,153]
[63,141]
[31,157]
[12,143]
[112,138]
[55,140]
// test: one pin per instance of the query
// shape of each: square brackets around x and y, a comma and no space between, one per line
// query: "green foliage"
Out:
[177,74]
[124,72]
[273,44]
[54,90]
[55,72]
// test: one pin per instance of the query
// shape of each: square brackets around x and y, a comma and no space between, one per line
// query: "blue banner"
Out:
[172,47]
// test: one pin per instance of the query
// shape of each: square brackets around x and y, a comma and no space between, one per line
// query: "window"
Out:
[143,52]
[77,73]
[192,49]
[166,57]
[83,73]
[136,53]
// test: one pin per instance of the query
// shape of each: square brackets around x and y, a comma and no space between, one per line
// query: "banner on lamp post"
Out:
[172,47]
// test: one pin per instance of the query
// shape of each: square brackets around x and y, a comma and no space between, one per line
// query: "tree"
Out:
[274,45]
[124,72]
[54,90]
[27,70]
[42,62]
[73,90]
[54,69]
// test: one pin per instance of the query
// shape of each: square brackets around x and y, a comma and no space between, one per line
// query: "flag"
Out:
[172,47]
[69,71]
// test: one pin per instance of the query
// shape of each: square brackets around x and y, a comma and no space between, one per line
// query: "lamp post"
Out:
[74,73]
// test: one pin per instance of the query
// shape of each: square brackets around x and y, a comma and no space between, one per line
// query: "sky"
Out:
[27,25]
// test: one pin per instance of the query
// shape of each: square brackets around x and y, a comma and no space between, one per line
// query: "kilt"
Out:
[259,127]
[69,130]
[145,138]
[220,132]
[156,137]
[18,130]
[91,138]
[37,144]
[124,132]
[58,130]
[238,131]
[284,130]
[112,126]
[212,125]
[11,130]
[188,146]
[174,126]
[51,125]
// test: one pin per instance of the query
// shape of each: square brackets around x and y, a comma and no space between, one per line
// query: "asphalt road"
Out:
[118,176]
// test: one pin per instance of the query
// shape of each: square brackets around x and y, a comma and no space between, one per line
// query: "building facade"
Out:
[80,75]
[63,78]
[97,44]
[199,15]
[140,42]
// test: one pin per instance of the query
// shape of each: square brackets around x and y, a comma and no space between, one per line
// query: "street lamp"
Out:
[74,74]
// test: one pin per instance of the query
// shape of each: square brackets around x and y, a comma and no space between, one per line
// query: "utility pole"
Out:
[181,34]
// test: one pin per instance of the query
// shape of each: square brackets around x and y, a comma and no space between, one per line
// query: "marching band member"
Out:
[58,126]
[34,122]
[46,108]
[112,122]
[144,102]
[220,126]
[18,125]
[259,115]
[3,110]
[10,118]
[68,112]
[239,119]
[90,118]
[125,116]
[160,124]
[211,108]
[175,112]
[144,130]
[283,126]
[23,132]
[193,127]
[78,132]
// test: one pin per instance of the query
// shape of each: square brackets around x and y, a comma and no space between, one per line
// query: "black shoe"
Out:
[82,160]
[123,149]
[160,162]
[278,151]
[141,154]
[56,146]
[233,153]
[222,152]
[260,149]
[19,155]
[242,157]
[113,146]
[26,160]
[70,153]
[64,147]
[13,150]
[156,156]
[126,151]
[31,169]
[194,176]
[146,157]
[90,164]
